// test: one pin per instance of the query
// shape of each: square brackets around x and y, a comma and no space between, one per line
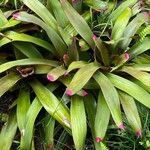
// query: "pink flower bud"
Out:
[69,92]
[50,77]
[94,37]
[121,126]
[98,139]
[16,16]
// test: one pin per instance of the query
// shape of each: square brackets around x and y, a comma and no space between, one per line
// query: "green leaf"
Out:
[37,7]
[58,12]
[82,76]
[52,105]
[132,28]
[78,122]
[90,106]
[116,13]
[8,132]
[76,65]
[131,111]
[14,36]
[120,25]
[102,118]
[103,51]
[111,97]
[3,19]
[27,132]
[55,73]
[9,24]
[139,47]
[142,67]
[42,69]
[23,62]
[143,77]
[78,22]
[8,82]
[49,128]
[98,5]
[52,34]
[27,49]
[23,104]
[131,88]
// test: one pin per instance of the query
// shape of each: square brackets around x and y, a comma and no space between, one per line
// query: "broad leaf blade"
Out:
[111,97]
[7,82]
[102,118]
[27,132]
[131,88]
[23,104]
[143,77]
[42,12]
[14,36]
[131,111]
[27,49]
[78,22]
[24,62]
[8,132]
[52,105]
[78,122]
[82,76]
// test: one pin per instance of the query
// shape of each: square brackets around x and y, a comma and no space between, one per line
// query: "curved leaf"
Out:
[8,132]
[78,122]
[78,22]
[82,76]
[23,62]
[131,88]
[14,36]
[7,82]
[131,112]
[111,97]
[52,105]
[102,118]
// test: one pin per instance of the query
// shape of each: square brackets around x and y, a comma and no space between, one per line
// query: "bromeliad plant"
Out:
[83,74]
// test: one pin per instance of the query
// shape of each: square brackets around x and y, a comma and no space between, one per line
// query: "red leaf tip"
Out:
[69,92]
[139,133]
[50,146]
[74,1]
[94,37]
[148,13]
[84,93]
[121,126]
[98,139]
[50,77]
[16,16]
[127,56]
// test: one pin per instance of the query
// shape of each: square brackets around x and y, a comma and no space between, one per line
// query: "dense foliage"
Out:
[74,74]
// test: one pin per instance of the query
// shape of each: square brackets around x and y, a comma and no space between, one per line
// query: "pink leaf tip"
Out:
[74,1]
[127,56]
[84,93]
[16,16]
[121,126]
[69,92]
[148,14]
[98,139]
[50,77]
[139,133]
[50,146]
[94,37]
[66,73]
